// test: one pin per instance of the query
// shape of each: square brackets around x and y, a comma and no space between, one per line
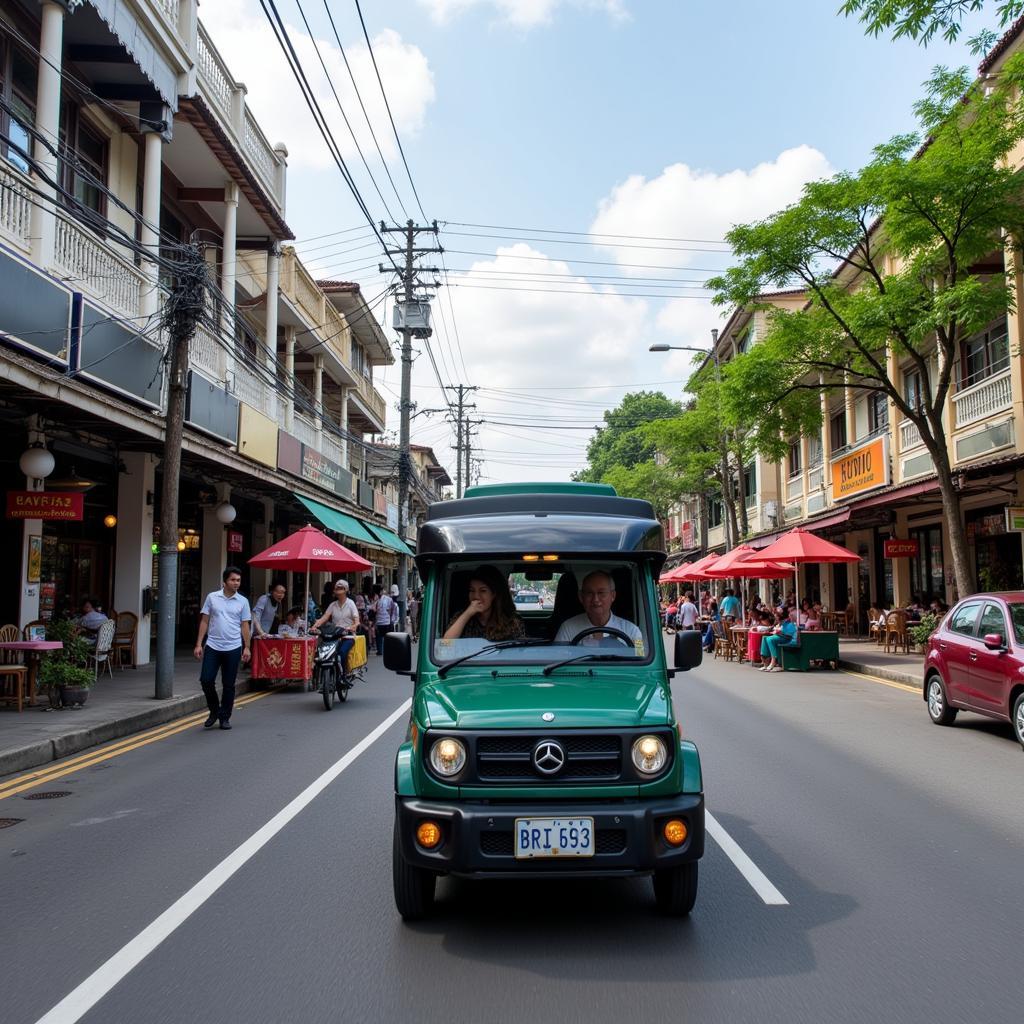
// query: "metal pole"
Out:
[404,454]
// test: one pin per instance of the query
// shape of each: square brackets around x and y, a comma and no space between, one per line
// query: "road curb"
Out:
[892,674]
[32,755]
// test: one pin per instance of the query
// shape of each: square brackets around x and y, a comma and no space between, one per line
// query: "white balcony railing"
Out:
[815,477]
[171,9]
[981,400]
[258,150]
[89,264]
[794,487]
[303,429]
[250,388]
[205,353]
[910,436]
[330,448]
[215,74]
[15,207]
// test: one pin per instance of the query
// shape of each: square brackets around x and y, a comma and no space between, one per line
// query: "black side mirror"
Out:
[689,649]
[398,653]
[994,641]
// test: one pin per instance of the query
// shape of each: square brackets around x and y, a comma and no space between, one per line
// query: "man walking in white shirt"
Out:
[688,613]
[225,622]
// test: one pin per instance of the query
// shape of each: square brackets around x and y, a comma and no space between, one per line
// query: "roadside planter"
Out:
[557,753]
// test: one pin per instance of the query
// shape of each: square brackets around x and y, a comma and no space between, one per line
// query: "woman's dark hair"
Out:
[277,583]
[503,612]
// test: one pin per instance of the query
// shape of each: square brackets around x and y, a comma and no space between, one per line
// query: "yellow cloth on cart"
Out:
[357,656]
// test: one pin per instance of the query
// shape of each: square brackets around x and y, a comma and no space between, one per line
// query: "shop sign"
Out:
[317,469]
[234,542]
[861,470]
[1014,520]
[900,548]
[45,505]
[686,536]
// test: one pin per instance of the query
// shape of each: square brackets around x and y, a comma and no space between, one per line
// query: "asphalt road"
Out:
[897,846]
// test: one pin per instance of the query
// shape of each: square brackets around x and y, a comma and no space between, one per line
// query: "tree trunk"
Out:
[741,488]
[703,512]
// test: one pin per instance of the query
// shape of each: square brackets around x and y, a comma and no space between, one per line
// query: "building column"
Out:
[151,185]
[1015,334]
[133,569]
[851,417]
[261,540]
[318,392]
[343,423]
[273,289]
[229,255]
[826,443]
[214,558]
[43,224]
[28,599]
[289,369]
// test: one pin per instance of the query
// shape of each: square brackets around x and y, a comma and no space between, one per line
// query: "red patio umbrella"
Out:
[696,571]
[744,562]
[672,576]
[308,550]
[800,545]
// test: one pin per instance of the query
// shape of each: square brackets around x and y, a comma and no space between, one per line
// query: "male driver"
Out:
[597,595]
[226,623]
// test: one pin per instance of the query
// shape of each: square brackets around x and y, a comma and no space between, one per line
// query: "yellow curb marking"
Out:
[22,782]
[883,682]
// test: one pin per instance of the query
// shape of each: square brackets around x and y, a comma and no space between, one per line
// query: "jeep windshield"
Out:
[600,613]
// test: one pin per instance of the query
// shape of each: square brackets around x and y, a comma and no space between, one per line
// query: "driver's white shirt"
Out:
[578,623]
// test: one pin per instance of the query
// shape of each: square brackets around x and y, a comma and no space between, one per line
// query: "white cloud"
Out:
[242,35]
[685,203]
[520,13]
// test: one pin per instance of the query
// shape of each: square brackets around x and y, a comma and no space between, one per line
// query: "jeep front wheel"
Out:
[675,889]
[414,887]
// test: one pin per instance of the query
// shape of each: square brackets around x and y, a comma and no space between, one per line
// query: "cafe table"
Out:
[754,638]
[33,650]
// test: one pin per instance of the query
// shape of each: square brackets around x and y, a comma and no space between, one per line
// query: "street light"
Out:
[662,347]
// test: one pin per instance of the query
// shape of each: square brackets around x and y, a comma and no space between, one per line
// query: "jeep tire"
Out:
[414,887]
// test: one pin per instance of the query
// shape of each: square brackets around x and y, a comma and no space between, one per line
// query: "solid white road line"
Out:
[746,867]
[82,999]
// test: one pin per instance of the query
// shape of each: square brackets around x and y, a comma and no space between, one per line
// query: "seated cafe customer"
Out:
[783,635]
[91,617]
[293,624]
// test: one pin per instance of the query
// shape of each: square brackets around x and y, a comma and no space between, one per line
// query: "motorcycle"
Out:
[330,676]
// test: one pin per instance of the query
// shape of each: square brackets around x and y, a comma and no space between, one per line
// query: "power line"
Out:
[569,241]
[387,105]
[587,234]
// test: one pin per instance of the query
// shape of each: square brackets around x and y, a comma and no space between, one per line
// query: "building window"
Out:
[984,355]
[837,430]
[750,486]
[878,412]
[358,358]
[747,340]
[714,512]
[18,88]
[794,458]
[913,390]
[815,456]
[83,166]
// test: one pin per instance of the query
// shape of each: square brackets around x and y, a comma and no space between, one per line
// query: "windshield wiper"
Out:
[548,669]
[500,646]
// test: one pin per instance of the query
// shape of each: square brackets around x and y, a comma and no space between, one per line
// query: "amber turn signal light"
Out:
[675,832]
[428,834]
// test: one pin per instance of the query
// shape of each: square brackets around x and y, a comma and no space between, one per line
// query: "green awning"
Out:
[346,525]
[390,539]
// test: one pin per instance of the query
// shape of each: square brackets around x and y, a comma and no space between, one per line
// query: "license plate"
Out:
[554,837]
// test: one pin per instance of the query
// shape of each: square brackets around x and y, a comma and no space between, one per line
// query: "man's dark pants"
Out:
[227,663]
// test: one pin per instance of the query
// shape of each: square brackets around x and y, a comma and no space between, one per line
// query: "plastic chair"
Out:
[29,625]
[875,625]
[127,625]
[13,673]
[104,644]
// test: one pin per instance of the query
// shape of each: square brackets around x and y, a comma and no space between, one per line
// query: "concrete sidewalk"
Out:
[116,707]
[867,657]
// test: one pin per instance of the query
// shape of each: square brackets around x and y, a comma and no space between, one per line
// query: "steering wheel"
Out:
[616,633]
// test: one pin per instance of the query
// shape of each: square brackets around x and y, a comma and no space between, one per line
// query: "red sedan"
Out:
[975,661]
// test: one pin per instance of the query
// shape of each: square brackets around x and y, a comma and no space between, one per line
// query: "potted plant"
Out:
[920,631]
[63,673]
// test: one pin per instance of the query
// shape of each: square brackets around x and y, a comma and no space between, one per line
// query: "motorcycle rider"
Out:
[342,612]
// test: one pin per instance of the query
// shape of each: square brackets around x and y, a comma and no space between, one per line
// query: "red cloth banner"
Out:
[279,657]
[45,505]
[234,542]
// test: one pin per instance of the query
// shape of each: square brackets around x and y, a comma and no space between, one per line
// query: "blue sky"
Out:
[639,117]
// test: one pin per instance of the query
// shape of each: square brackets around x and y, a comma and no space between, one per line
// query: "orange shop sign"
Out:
[861,470]
[45,505]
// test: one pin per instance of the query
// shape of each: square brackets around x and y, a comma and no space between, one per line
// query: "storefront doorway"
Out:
[997,554]
[71,571]
[927,572]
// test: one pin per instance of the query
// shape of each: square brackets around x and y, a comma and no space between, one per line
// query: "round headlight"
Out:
[447,756]
[649,755]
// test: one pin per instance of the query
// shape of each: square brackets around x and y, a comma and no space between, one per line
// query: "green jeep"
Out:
[555,753]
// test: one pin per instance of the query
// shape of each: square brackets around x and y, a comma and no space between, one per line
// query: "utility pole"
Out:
[461,433]
[408,329]
[181,314]
[470,426]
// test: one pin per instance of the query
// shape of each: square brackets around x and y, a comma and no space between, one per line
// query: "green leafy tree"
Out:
[655,483]
[621,441]
[925,19]
[904,256]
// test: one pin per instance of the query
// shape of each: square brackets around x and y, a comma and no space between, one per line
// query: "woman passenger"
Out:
[490,614]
